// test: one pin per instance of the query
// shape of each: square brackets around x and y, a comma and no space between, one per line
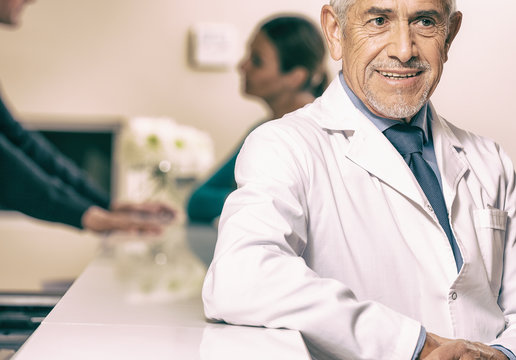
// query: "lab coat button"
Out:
[429,208]
[454,295]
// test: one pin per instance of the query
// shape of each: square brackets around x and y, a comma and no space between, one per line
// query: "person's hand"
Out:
[137,219]
[432,342]
[465,350]
[445,349]
[156,210]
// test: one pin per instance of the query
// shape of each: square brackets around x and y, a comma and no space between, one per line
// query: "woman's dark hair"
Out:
[299,43]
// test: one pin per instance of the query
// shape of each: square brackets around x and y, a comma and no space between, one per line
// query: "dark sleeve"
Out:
[49,159]
[206,202]
[26,188]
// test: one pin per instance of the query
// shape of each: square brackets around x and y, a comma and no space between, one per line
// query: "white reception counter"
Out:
[110,313]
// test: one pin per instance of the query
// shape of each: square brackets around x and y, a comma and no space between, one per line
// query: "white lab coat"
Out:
[329,233]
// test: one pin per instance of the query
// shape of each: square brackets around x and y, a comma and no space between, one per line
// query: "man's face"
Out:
[10,10]
[393,53]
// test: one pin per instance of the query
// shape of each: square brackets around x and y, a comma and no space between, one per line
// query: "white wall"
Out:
[478,85]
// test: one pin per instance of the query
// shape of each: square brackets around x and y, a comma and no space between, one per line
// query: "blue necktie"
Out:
[408,140]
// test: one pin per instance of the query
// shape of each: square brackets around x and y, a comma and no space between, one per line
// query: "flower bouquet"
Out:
[160,155]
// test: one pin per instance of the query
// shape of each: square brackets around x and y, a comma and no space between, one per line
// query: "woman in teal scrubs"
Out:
[284,68]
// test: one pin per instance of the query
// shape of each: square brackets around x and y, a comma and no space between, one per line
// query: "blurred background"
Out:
[87,65]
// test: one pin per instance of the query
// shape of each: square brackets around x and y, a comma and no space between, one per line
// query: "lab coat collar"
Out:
[335,111]
[372,151]
[368,147]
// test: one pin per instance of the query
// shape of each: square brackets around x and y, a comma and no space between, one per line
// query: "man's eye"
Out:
[426,22]
[379,21]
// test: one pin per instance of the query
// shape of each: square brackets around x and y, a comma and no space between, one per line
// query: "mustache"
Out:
[414,64]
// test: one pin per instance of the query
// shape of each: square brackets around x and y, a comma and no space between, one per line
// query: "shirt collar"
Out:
[422,119]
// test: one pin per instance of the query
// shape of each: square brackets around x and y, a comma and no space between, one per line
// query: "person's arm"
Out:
[258,276]
[206,202]
[49,159]
[26,188]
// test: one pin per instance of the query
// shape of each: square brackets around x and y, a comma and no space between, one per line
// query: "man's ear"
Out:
[455,22]
[332,31]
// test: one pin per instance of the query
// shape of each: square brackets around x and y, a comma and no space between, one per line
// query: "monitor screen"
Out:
[90,144]
[91,151]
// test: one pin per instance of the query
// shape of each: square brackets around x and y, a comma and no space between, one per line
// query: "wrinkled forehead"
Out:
[396,6]
[342,7]
[440,4]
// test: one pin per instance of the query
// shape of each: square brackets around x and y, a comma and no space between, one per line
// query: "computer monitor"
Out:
[88,142]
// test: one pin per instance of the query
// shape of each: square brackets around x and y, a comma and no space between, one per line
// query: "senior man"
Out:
[365,220]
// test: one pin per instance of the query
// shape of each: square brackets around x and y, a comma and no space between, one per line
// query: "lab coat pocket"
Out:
[490,227]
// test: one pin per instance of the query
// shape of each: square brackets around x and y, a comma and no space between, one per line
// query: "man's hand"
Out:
[145,218]
[432,342]
[438,348]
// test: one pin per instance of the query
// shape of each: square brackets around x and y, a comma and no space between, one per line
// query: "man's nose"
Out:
[402,45]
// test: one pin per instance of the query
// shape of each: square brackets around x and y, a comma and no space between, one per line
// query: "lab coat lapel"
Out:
[372,151]
[450,158]
[368,147]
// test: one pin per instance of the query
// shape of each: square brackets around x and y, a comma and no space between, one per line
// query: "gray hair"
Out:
[341,8]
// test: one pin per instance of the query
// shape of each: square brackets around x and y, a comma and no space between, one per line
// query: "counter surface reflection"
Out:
[113,312]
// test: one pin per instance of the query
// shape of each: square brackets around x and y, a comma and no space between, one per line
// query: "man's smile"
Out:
[398,75]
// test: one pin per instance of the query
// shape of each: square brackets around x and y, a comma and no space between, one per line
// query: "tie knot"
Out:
[405,138]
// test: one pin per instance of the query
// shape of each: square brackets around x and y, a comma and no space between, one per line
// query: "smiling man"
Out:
[367,221]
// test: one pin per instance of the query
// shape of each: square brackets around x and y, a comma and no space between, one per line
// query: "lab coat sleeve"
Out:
[507,297]
[258,276]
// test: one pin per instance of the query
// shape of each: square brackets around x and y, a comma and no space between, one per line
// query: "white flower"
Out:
[166,145]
